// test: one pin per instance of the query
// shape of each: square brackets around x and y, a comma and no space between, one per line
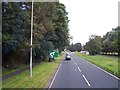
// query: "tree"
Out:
[117,29]
[14,26]
[93,46]
[48,26]
[108,46]
[50,30]
[75,47]
[110,41]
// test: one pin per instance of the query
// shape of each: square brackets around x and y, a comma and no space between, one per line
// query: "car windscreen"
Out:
[68,53]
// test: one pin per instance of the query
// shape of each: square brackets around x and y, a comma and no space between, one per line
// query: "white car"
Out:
[68,56]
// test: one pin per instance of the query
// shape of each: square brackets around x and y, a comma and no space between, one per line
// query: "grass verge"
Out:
[6,71]
[109,64]
[41,75]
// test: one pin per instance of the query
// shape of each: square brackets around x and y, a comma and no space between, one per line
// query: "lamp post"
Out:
[31,41]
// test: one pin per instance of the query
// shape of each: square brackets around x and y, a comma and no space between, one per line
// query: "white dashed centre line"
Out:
[79,69]
[76,64]
[86,80]
[82,74]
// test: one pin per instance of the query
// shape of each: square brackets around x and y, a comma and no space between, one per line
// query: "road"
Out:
[78,73]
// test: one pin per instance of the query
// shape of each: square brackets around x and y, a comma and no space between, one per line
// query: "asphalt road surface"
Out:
[78,73]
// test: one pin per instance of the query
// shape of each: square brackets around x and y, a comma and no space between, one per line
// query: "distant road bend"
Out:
[79,73]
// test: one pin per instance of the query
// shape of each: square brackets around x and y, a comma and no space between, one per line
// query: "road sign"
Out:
[53,53]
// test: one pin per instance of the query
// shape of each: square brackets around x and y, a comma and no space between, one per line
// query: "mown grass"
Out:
[109,64]
[41,75]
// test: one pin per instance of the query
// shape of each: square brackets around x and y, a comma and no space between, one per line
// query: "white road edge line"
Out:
[86,80]
[54,77]
[104,71]
[79,69]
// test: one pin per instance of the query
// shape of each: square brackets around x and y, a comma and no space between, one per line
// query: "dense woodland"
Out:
[50,31]
[108,44]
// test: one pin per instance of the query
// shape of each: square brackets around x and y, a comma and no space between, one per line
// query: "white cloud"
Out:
[91,17]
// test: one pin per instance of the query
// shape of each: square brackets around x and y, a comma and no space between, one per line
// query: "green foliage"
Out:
[117,29]
[75,47]
[111,41]
[108,46]
[0,37]
[93,46]
[50,30]
[15,26]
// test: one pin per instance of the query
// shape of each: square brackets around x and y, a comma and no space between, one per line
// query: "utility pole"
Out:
[31,41]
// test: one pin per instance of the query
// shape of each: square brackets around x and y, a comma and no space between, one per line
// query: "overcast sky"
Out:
[89,17]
